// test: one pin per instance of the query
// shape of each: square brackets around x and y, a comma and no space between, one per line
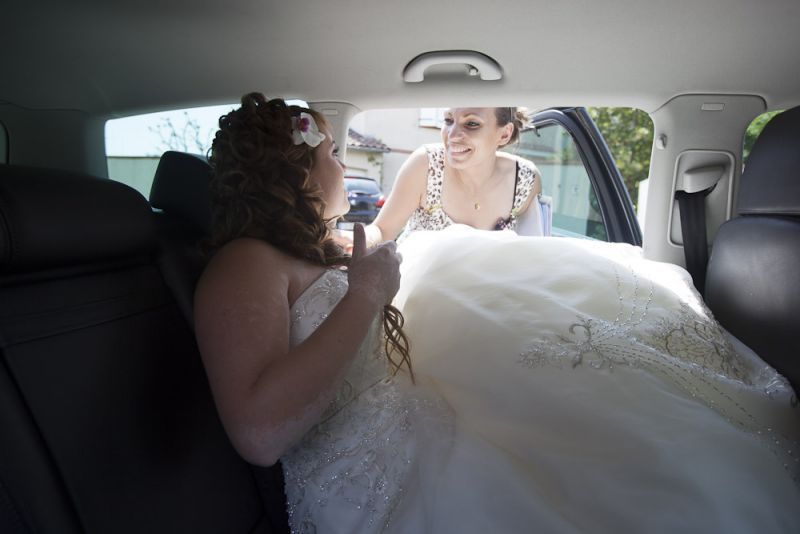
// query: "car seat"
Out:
[181,201]
[753,274]
[108,420]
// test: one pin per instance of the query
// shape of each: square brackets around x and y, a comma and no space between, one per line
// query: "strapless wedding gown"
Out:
[563,386]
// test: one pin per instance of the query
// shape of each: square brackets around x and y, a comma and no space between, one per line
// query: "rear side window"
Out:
[3,144]
[134,144]
[754,130]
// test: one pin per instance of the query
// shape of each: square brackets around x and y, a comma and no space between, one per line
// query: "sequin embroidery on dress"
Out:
[350,471]
[685,346]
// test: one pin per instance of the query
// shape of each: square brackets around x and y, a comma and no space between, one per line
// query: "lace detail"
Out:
[360,459]
[353,465]
[685,346]
[312,307]
[433,216]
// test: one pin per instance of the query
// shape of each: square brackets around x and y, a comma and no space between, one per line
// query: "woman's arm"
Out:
[529,218]
[407,195]
[267,394]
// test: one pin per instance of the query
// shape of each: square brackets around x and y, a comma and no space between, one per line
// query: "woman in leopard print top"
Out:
[464,180]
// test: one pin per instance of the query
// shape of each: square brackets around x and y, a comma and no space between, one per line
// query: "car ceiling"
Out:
[115,58]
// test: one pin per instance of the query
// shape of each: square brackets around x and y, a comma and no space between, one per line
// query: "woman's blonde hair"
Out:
[261,188]
[519,117]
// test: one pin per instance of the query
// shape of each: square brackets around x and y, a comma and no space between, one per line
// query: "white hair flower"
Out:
[305,130]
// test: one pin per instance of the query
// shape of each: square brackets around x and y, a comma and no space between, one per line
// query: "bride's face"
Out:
[328,171]
[471,135]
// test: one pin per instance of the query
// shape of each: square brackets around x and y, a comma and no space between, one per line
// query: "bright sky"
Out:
[135,136]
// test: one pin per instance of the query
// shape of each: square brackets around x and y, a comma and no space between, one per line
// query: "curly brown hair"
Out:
[261,188]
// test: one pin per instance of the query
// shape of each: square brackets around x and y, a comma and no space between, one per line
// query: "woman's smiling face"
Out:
[471,135]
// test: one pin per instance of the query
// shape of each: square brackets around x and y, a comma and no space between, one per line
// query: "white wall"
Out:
[399,129]
[359,164]
[137,172]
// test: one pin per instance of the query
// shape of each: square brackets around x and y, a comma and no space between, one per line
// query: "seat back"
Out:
[753,276]
[182,205]
[108,421]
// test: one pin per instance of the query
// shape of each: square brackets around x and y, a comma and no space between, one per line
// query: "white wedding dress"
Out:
[563,386]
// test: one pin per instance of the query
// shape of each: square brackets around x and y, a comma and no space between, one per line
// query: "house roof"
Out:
[365,142]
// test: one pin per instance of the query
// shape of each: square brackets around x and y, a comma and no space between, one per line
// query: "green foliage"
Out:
[754,130]
[629,135]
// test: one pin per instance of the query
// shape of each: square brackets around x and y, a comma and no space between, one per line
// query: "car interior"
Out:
[108,421]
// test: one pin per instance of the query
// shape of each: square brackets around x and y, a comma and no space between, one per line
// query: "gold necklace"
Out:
[475,204]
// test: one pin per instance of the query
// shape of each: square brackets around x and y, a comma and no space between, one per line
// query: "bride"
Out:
[558,385]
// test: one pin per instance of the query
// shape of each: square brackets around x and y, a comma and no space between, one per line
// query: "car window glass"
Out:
[135,144]
[3,145]
[754,130]
[565,181]
[628,133]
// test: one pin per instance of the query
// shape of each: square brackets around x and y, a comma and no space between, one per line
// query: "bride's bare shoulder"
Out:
[246,263]
[246,253]
[248,268]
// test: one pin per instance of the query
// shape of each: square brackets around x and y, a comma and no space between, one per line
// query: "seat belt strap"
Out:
[695,240]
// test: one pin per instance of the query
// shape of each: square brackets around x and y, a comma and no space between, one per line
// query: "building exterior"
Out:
[365,156]
[401,130]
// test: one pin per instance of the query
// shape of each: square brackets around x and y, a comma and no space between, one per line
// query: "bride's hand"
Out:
[373,274]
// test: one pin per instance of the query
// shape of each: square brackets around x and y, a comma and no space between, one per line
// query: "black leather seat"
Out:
[753,276]
[182,205]
[107,420]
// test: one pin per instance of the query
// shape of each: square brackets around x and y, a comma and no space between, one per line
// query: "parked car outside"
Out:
[366,199]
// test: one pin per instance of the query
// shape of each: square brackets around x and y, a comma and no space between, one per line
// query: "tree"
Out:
[187,137]
[629,135]
[754,130]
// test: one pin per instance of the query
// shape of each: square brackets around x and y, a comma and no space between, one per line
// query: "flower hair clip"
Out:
[305,130]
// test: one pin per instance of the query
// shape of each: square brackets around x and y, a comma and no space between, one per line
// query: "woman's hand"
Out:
[373,274]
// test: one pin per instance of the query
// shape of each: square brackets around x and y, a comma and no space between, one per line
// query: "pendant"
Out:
[477,206]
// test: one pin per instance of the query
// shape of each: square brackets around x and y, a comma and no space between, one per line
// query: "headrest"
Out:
[180,188]
[52,218]
[770,183]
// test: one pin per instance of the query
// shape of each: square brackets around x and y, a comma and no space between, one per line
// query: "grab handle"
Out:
[478,64]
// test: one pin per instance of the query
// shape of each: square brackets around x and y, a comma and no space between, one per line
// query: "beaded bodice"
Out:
[353,466]
[311,309]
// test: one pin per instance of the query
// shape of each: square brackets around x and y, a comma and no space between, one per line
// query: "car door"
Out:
[587,194]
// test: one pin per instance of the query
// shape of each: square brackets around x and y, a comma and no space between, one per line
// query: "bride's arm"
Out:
[267,394]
